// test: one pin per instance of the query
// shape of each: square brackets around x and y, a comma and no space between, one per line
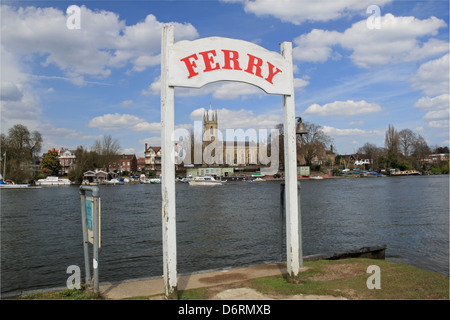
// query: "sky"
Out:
[359,66]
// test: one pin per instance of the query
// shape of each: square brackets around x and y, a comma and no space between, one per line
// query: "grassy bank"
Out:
[345,278]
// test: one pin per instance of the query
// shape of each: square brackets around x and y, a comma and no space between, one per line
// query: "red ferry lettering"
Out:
[231,55]
[230,62]
[190,65]
[271,73]
[254,62]
[209,60]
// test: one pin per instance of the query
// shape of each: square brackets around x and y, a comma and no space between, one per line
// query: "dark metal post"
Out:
[282,185]
[96,242]
[85,236]
[300,244]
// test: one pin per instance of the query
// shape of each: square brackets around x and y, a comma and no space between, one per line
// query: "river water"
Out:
[233,225]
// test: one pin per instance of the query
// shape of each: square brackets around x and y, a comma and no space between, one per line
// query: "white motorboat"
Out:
[205,181]
[155,181]
[17,186]
[8,184]
[316,177]
[53,181]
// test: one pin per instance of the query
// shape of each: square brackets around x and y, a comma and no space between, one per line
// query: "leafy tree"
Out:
[50,162]
[392,146]
[84,160]
[19,150]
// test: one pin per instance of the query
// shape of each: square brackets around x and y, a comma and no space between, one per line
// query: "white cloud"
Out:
[103,42]
[435,103]
[350,132]
[126,103]
[432,77]
[399,39]
[300,11]
[50,132]
[124,121]
[343,108]
[437,110]
[10,91]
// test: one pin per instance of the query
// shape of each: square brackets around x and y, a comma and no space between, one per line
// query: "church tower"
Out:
[210,125]
[210,135]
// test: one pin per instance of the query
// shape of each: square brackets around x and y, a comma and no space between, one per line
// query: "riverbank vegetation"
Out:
[19,154]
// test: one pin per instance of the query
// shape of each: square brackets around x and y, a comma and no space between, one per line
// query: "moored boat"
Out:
[155,181]
[205,181]
[53,181]
[8,184]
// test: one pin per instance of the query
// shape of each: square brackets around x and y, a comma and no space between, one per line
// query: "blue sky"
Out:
[351,78]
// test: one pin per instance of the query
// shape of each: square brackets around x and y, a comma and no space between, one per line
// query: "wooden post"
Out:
[290,165]
[168,170]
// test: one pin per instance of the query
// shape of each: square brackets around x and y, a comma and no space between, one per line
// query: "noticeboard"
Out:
[90,218]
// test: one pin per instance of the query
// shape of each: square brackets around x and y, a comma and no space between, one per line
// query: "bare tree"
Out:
[406,141]
[109,151]
[314,143]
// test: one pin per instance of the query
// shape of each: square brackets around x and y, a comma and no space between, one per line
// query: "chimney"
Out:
[145,148]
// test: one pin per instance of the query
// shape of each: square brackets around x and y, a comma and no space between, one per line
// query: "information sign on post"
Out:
[90,218]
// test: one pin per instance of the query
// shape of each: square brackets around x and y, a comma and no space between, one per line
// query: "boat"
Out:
[316,177]
[53,181]
[404,173]
[17,186]
[8,184]
[155,181]
[258,174]
[205,181]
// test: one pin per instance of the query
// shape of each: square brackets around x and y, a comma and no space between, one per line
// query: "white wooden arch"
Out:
[196,63]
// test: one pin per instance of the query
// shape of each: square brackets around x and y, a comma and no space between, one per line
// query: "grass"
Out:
[68,294]
[348,278]
[345,278]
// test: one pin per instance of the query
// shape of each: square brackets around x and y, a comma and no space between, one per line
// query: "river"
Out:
[233,225]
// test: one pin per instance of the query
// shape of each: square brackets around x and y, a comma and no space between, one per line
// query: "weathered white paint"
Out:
[290,154]
[196,63]
[199,62]
[168,169]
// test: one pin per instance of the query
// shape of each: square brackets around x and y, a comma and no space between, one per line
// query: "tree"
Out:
[19,150]
[308,145]
[109,151]
[373,153]
[314,143]
[50,162]
[84,160]
[392,142]
[406,141]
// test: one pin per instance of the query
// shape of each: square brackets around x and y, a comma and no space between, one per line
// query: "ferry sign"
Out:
[193,64]
[196,63]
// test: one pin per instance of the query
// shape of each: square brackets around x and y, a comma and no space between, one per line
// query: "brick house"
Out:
[127,162]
